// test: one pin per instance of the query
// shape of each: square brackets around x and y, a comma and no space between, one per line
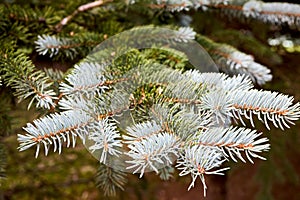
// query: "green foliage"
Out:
[109,180]
[176,113]
[20,74]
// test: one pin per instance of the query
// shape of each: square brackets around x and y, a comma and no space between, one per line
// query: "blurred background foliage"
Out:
[72,174]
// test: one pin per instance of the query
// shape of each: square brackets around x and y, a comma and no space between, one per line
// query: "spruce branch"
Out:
[152,146]
[233,140]
[267,106]
[214,98]
[55,129]
[186,122]
[218,104]
[236,62]
[142,131]
[198,161]
[219,80]
[106,138]
[51,44]
[81,44]
[110,180]
[70,47]
[186,113]
[225,101]
[274,13]
[19,73]
[232,61]
[87,78]
[152,152]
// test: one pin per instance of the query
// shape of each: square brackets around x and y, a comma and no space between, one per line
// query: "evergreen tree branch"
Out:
[87,78]
[267,106]
[142,131]
[220,80]
[186,117]
[152,152]
[81,44]
[106,138]
[198,161]
[231,141]
[19,73]
[110,180]
[233,61]
[274,13]
[70,47]
[218,104]
[55,129]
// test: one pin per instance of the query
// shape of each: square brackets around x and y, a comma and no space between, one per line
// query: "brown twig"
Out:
[81,8]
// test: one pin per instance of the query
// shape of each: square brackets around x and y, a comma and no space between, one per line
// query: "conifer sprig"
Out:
[267,106]
[28,82]
[231,141]
[152,153]
[69,47]
[110,180]
[106,139]
[198,161]
[274,13]
[232,61]
[87,78]
[50,130]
